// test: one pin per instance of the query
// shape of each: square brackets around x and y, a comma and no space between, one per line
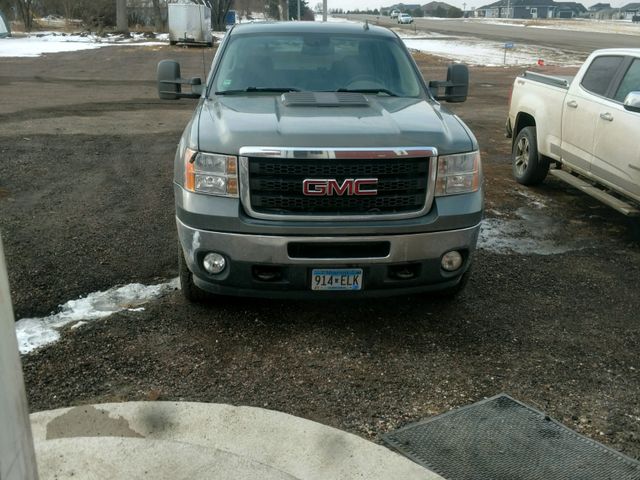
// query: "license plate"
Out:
[336,279]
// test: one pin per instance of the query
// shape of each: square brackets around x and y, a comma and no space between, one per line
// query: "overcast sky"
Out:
[364,4]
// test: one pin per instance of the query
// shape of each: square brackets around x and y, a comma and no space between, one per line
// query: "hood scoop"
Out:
[324,99]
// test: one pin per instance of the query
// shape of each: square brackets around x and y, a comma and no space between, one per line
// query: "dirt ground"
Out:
[86,204]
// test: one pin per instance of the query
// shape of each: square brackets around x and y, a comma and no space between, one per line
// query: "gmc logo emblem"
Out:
[331,186]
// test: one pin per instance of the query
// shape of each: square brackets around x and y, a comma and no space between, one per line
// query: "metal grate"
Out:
[501,438]
[276,185]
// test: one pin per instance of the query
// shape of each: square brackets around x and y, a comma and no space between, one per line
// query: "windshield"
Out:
[316,62]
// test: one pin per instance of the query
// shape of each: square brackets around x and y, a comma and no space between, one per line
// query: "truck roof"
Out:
[634,52]
[310,27]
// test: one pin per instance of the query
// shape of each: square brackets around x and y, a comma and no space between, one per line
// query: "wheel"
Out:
[529,167]
[172,42]
[634,228]
[189,289]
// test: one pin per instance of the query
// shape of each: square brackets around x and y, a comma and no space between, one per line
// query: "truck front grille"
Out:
[275,186]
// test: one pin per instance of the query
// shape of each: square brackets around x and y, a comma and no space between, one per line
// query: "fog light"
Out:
[451,261]
[214,262]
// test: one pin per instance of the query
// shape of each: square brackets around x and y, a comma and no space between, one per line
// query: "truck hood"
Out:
[228,123]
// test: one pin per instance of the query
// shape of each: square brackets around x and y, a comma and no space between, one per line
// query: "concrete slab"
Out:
[101,458]
[262,438]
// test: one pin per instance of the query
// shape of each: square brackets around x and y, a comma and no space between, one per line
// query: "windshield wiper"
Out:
[259,89]
[368,90]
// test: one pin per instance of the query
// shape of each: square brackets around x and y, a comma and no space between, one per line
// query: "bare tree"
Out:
[157,15]
[24,8]
[219,10]
[97,13]
[273,9]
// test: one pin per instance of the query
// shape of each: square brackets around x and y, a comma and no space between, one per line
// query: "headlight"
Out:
[211,173]
[458,174]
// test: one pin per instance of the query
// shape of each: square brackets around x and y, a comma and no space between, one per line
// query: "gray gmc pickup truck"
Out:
[318,162]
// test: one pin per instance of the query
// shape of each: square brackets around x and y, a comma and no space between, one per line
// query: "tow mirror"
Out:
[170,82]
[456,87]
[632,102]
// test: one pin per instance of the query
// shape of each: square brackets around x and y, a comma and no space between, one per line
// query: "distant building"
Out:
[630,10]
[569,10]
[603,11]
[529,9]
[517,9]
[430,9]
[600,6]
[403,7]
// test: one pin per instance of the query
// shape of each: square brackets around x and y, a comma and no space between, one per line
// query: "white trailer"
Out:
[189,23]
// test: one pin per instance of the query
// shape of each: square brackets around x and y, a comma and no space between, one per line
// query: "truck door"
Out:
[581,109]
[616,152]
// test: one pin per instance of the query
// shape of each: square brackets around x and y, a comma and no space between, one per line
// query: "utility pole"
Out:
[122,21]
[299,10]
[324,10]
[464,7]
[508,8]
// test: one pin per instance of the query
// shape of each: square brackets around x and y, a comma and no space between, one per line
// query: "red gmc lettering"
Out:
[330,187]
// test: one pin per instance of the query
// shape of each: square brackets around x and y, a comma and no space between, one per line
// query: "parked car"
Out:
[585,126]
[318,161]
[405,18]
[394,14]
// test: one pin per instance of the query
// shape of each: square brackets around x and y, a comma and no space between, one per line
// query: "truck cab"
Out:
[318,163]
[584,125]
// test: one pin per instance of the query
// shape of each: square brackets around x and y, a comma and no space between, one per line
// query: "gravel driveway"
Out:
[550,315]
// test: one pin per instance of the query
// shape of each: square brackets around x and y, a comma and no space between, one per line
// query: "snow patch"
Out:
[37,44]
[623,26]
[535,201]
[532,233]
[475,51]
[330,19]
[33,333]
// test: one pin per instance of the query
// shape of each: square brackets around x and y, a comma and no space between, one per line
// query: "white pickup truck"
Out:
[587,126]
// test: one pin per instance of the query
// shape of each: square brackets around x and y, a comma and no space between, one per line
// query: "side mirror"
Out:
[170,82]
[456,88]
[632,102]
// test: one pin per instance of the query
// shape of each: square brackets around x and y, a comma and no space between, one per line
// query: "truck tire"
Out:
[452,292]
[634,228]
[189,289]
[529,167]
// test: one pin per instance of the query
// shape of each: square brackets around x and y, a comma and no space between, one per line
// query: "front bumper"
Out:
[245,253]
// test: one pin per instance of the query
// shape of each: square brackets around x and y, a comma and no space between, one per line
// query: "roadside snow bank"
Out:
[40,43]
[37,332]
[477,51]
[533,232]
[474,51]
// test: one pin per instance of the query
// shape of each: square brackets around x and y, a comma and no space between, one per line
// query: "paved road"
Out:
[563,39]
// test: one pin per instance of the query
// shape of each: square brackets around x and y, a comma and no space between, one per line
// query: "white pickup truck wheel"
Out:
[529,167]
